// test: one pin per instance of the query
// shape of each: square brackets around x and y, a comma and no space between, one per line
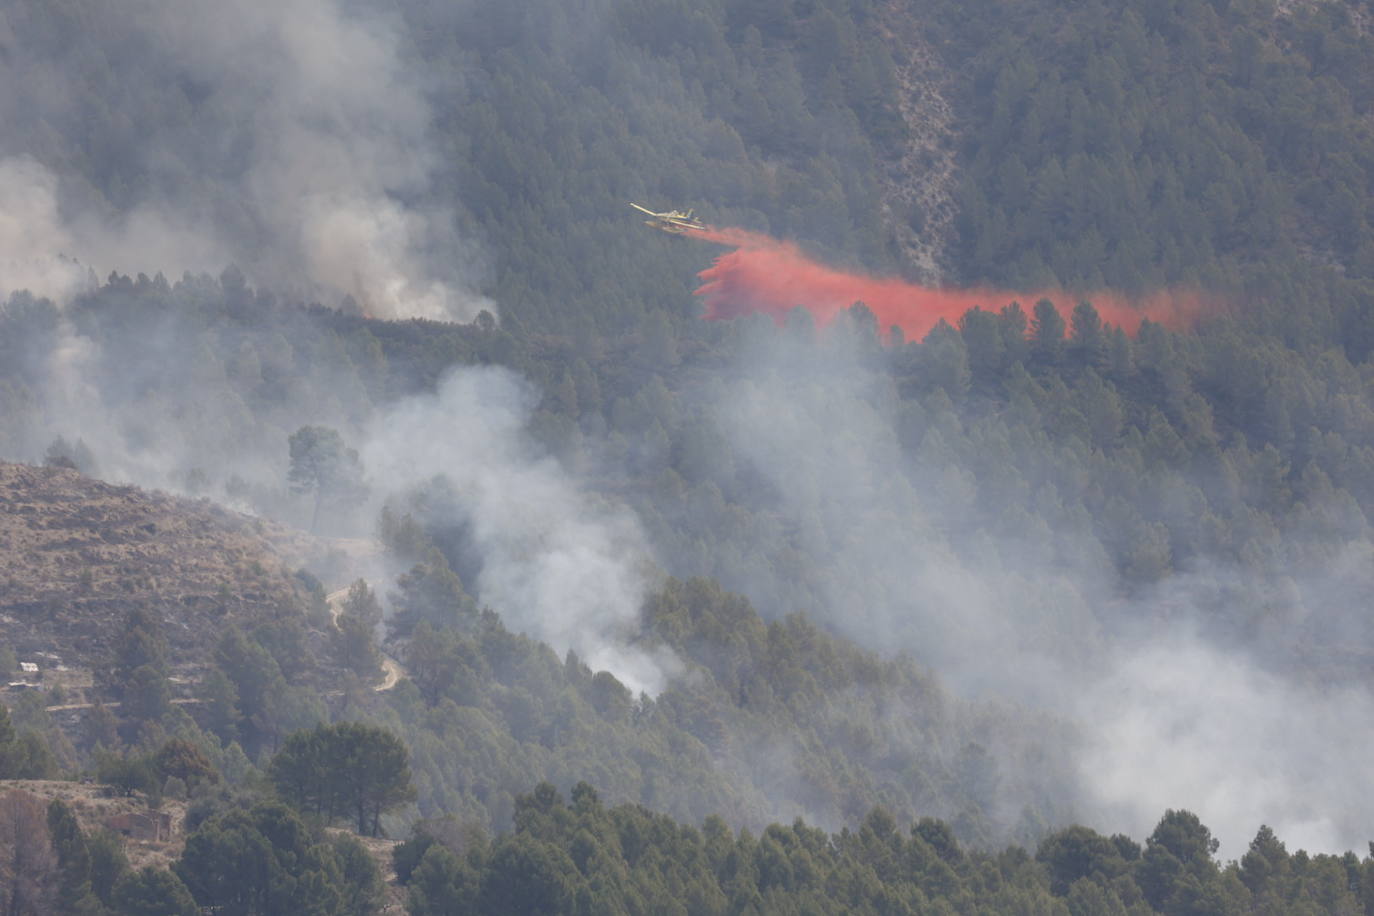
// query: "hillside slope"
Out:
[919,187]
[77,554]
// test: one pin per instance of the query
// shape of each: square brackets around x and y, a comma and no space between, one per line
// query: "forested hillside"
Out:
[1183,142]
[1029,571]
[584,857]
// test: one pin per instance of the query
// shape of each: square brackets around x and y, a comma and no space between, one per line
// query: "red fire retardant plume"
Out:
[768,276]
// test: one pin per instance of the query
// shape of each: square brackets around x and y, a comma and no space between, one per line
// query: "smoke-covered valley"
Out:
[1059,574]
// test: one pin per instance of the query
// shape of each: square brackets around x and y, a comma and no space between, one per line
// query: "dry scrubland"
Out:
[77,554]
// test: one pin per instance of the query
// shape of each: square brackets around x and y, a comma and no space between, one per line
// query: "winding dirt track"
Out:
[392,669]
[179,701]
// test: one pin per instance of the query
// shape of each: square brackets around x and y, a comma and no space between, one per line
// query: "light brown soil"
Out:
[76,554]
[392,670]
[93,807]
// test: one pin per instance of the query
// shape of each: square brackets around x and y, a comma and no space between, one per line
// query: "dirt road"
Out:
[392,670]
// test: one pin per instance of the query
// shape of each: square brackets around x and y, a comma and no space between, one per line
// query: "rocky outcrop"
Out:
[918,188]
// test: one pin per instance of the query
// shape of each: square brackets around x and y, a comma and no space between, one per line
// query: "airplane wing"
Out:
[670,220]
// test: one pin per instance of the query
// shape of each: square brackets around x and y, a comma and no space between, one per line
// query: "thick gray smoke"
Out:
[299,151]
[159,408]
[1170,715]
[1177,722]
[34,245]
[299,155]
[556,563]
[53,255]
[824,431]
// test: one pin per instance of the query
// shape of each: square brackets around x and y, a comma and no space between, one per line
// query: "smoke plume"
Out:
[1177,722]
[33,242]
[763,275]
[1171,710]
[555,562]
[290,139]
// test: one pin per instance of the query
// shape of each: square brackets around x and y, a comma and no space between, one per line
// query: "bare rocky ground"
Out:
[78,554]
[918,189]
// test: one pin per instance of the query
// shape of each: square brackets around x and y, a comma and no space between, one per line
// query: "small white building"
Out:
[28,667]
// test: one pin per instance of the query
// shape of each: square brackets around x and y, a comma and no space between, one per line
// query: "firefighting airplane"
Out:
[674,221]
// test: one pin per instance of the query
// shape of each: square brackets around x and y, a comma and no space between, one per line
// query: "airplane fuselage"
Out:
[674,221]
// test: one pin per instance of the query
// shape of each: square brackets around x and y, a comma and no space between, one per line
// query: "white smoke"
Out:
[306,162]
[339,130]
[1178,723]
[556,564]
[826,438]
[34,245]
[1171,715]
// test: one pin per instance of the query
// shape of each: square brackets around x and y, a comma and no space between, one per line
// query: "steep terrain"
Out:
[919,187]
[1026,571]
[77,554]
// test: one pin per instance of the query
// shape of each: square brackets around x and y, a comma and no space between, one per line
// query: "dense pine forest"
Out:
[1035,613]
